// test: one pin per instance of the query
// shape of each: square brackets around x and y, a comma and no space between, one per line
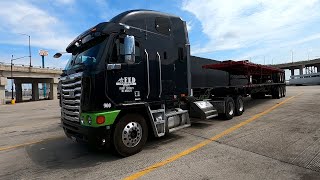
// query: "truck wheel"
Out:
[284,91]
[230,109]
[130,135]
[239,106]
[276,94]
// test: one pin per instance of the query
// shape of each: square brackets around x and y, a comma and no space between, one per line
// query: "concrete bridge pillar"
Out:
[318,68]
[54,89]
[18,87]
[35,91]
[3,83]
[292,72]
[301,70]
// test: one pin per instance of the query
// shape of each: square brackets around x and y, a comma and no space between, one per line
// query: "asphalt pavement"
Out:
[273,139]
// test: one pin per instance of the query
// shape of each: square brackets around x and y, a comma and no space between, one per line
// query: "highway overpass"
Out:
[30,75]
[310,66]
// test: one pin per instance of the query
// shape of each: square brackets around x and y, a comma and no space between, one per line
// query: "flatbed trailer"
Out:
[134,77]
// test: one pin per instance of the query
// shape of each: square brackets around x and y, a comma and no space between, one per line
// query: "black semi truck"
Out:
[134,77]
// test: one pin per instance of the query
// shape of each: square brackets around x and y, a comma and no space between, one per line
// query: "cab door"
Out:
[125,81]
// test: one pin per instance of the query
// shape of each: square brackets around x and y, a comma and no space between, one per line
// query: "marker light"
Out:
[89,120]
[100,119]
[82,120]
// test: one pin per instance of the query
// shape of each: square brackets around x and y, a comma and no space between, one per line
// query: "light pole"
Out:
[12,75]
[29,46]
[11,80]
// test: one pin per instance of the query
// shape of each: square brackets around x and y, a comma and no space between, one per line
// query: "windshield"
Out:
[87,53]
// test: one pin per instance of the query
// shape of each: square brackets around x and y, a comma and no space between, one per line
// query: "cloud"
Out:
[46,31]
[256,26]
[189,26]
[65,1]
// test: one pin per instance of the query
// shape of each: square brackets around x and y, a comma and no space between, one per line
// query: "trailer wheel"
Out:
[229,109]
[239,105]
[276,94]
[130,135]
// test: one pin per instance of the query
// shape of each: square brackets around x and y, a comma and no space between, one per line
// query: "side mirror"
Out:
[129,49]
[57,55]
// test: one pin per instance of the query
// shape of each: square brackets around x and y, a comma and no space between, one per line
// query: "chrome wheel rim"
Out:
[132,134]
[240,105]
[231,108]
[280,94]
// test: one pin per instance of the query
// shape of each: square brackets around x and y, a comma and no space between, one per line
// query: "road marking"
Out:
[204,143]
[28,143]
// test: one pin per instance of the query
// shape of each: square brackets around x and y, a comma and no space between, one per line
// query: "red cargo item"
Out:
[243,68]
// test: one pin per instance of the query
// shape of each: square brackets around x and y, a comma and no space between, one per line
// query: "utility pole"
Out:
[11,80]
[292,56]
[12,98]
[29,37]
[29,51]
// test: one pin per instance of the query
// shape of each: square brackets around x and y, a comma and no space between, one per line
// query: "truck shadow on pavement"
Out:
[63,153]
[248,104]
[252,103]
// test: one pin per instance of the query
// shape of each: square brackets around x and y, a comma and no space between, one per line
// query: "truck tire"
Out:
[284,91]
[239,105]
[229,109]
[130,135]
[276,93]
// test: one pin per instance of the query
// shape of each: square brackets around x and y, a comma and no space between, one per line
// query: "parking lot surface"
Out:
[273,139]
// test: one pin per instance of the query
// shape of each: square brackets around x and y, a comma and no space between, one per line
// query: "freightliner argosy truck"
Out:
[134,77]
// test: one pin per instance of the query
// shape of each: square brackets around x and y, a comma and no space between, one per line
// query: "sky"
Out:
[262,31]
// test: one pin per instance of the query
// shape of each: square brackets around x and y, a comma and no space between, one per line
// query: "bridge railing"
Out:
[23,65]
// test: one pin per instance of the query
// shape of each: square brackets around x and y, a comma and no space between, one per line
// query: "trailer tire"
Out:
[239,105]
[130,135]
[276,94]
[229,109]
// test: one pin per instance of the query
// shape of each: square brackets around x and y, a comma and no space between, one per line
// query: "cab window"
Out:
[117,55]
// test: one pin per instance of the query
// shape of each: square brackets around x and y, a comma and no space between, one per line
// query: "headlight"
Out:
[89,120]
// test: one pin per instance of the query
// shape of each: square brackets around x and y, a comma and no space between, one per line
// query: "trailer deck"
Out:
[243,68]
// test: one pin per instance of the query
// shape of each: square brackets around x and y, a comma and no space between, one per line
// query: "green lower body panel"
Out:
[90,119]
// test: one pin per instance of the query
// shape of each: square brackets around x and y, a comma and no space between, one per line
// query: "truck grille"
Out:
[70,97]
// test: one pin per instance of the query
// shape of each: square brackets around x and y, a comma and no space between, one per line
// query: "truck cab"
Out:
[124,80]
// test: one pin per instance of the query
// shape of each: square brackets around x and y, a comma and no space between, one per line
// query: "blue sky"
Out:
[263,31]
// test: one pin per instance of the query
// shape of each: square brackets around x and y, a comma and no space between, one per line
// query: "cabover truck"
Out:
[134,77]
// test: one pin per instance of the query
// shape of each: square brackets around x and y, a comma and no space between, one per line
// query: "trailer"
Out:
[134,77]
